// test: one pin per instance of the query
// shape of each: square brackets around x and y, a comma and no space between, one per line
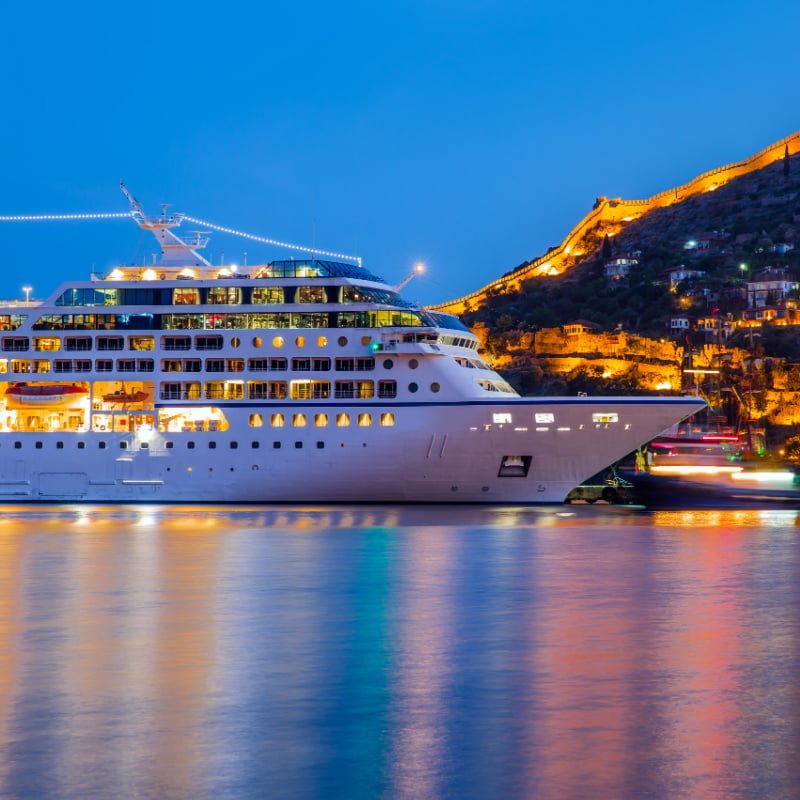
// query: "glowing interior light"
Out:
[663,386]
[116,274]
[149,275]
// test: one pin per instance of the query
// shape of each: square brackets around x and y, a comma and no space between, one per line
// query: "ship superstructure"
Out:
[295,380]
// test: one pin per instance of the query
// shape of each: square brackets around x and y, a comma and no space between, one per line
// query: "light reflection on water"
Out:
[398,651]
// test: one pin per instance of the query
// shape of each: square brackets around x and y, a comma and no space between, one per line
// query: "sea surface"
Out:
[398,652]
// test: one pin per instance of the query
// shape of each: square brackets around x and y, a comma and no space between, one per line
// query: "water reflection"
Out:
[398,651]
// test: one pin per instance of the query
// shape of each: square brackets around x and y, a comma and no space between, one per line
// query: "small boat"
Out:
[36,394]
[122,397]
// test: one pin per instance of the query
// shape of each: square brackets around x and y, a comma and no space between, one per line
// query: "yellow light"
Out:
[663,386]
[764,477]
[149,275]
[116,274]
[419,268]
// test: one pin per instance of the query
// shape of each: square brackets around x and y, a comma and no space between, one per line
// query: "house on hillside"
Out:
[680,324]
[715,328]
[782,248]
[580,327]
[770,287]
[617,268]
[681,273]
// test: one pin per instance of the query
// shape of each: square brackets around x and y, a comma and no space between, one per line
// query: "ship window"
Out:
[141,343]
[235,365]
[321,364]
[76,343]
[17,445]
[277,342]
[310,294]
[276,445]
[435,387]
[543,418]
[365,389]
[212,445]
[298,445]
[215,365]
[236,341]
[47,345]
[169,445]
[255,445]
[345,364]
[277,421]
[344,390]
[605,418]
[321,420]
[83,365]
[208,343]
[299,421]
[59,445]
[234,445]
[322,341]
[144,365]
[102,445]
[412,387]
[388,363]
[320,445]
[15,344]
[170,343]
[387,419]
[342,420]
[38,445]
[267,295]
[364,420]
[514,467]
[387,389]
[123,445]
[301,364]
[41,366]
[300,341]
[190,445]
[224,295]
[342,341]
[413,363]
[366,340]
[256,420]
[300,390]
[81,445]
[257,341]
[126,365]
[185,297]
[170,365]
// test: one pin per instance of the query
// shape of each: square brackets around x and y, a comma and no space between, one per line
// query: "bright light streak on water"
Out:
[351,652]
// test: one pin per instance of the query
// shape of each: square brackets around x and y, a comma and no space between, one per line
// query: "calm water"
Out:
[164,652]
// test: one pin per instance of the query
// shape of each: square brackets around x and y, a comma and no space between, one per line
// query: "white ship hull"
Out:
[434,452]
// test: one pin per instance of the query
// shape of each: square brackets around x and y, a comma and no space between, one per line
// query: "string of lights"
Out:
[275,242]
[220,228]
[59,217]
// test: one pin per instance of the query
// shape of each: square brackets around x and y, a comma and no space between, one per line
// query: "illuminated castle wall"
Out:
[609,216]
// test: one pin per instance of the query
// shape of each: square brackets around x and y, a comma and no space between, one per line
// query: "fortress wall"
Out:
[613,214]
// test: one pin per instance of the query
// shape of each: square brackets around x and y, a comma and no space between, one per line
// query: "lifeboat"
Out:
[121,396]
[36,394]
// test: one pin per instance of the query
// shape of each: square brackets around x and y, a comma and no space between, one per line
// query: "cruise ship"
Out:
[304,380]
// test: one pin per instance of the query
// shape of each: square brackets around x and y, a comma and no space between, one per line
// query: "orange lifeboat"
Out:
[122,397]
[37,394]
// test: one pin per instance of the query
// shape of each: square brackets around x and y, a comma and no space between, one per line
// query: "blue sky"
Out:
[470,135]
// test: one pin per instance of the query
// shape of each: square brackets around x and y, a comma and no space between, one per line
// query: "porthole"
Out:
[234,445]
[300,341]
[298,445]
[277,342]
[255,446]
[276,445]
[435,387]
[320,445]
[235,342]
[81,445]
[257,341]
[212,445]
[322,341]
[190,445]
[412,387]
[169,445]
[59,445]
[388,363]
[413,363]
[342,341]
[366,340]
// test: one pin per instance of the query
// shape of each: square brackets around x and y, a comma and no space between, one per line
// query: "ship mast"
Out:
[175,252]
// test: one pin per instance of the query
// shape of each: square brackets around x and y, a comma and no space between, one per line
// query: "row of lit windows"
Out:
[62,365]
[277,390]
[268,364]
[242,321]
[321,420]
[223,295]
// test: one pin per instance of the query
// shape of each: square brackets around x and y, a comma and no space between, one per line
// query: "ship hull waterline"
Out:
[433,453]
